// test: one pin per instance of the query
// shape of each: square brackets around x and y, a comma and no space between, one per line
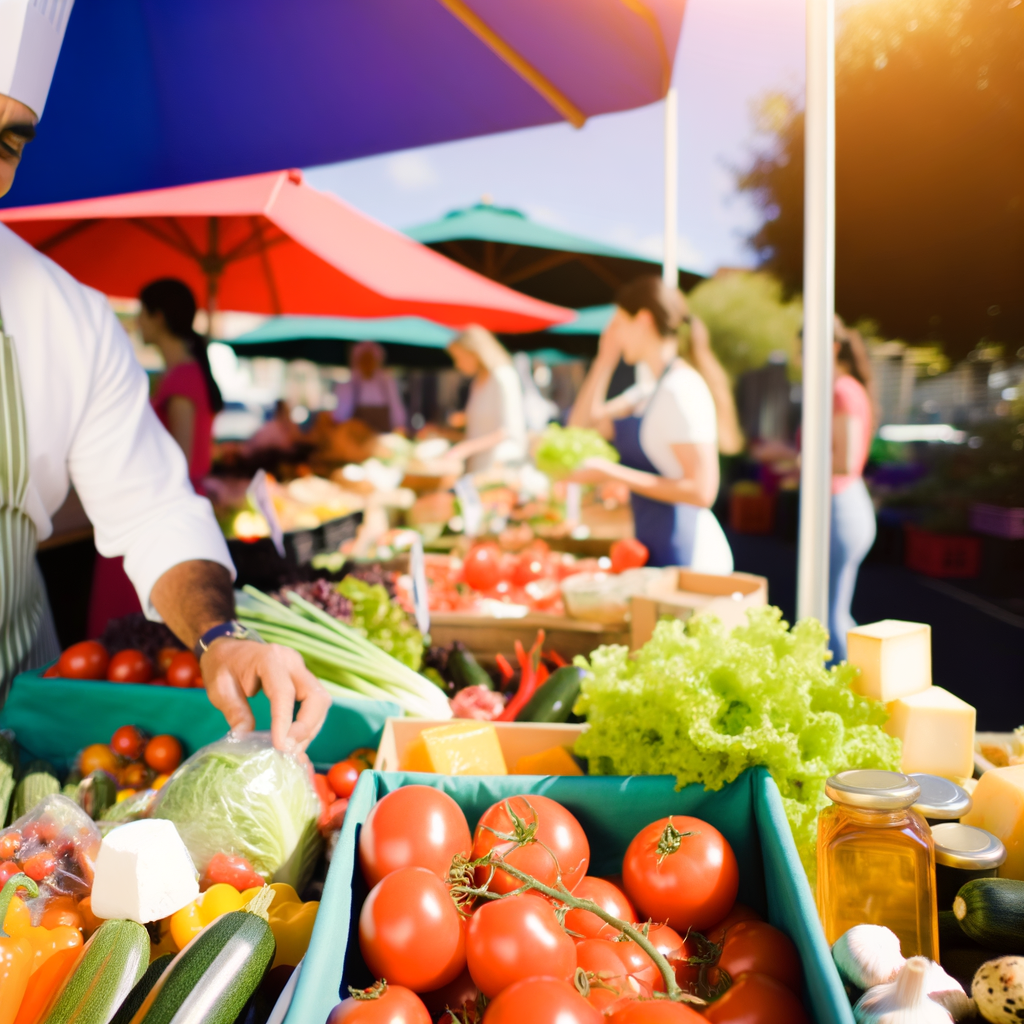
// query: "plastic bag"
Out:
[242,796]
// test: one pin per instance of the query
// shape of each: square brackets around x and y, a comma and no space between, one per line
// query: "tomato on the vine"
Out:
[129,667]
[659,1011]
[683,871]
[85,660]
[410,930]
[607,973]
[550,843]
[628,554]
[755,947]
[515,938]
[482,568]
[608,897]
[756,999]
[381,1004]
[415,826]
[740,912]
[541,1000]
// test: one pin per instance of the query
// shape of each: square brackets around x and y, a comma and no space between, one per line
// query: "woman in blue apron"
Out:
[664,428]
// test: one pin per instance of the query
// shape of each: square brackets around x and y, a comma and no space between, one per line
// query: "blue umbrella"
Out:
[152,93]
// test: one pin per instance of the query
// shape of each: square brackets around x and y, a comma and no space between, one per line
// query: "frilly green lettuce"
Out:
[564,449]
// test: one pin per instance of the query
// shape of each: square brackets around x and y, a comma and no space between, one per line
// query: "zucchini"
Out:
[33,789]
[465,670]
[6,790]
[112,962]
[212,978]
[143,987]
[553,701]
[991,911]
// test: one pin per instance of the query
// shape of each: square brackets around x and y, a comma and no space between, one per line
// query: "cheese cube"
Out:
[458,748]
[894,658]
[937,730]
[553,761]
[999,809]
[143,873]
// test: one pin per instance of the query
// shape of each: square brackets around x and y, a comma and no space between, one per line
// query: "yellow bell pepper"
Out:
[291,921]
[16,954]
[218,900]
[44,941]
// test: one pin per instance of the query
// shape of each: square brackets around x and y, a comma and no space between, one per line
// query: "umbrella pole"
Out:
[819,312]
[670,264]
[213,272]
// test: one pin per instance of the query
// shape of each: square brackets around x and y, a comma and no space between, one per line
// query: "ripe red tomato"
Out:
[410,931]
[640,967]
[87,660]
[606,971]
[681,870]
[554,844]
[456,995]
[608,897]
[530,566]
[163,753]
[129,667]
[182,670]
[516,938]
[39,865]
[233,870]
[393,1005]
[343,777]
[739,912]
[541,1001]
[628,554]
[756,999]
[659,1011]
[8,869]
[129,742]
[755,947]
[482,568]
[164,657]
[415,826]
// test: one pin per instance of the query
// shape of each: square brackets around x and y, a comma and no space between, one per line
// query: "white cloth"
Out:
[90,423]
[31,33]
[380,389]
[496,402]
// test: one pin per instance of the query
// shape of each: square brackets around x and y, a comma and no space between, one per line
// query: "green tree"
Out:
[930,172]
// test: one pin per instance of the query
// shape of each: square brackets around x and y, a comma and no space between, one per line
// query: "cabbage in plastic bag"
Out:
[242,796]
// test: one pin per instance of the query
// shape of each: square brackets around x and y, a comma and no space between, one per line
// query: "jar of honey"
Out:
[876,860]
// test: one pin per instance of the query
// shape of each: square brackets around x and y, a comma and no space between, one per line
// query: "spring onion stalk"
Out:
[340,655]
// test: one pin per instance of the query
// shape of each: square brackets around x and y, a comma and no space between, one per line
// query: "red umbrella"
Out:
[268,243]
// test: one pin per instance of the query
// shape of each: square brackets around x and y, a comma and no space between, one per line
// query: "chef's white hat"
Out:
[31,32]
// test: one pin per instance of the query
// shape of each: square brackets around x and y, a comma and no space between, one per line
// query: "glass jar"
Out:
[876,860]
[963,853]
[940,799]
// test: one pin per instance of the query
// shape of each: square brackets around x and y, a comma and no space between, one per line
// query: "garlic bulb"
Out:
[868,955]
[903,1001]
[948,993]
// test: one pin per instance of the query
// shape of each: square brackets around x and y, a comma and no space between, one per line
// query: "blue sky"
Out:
[605,180]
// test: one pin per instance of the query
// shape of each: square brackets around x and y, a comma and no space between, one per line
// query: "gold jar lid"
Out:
[872,789]
[941,798]
[967,847]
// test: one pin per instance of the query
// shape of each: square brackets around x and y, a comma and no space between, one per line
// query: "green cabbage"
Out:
[242,796]
[704,704]
[564,449]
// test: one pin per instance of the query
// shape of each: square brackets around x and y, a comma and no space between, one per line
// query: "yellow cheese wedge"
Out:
[999,809]
[457,748]
[416,758]
[894,658]
[937,730]
[553,761]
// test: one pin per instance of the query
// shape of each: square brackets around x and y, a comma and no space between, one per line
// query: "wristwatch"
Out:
[233,629]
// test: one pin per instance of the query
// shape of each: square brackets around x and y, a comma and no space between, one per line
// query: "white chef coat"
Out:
[496,402]
[90,423]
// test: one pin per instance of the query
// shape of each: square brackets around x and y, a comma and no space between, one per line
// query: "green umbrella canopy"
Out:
[506,246]
[591,321]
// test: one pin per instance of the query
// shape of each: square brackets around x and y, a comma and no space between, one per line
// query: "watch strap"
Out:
[233,629]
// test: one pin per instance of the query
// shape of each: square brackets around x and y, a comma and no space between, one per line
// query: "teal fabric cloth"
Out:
[612,810]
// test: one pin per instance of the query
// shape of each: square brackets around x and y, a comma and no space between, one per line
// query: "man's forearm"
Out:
[193,597]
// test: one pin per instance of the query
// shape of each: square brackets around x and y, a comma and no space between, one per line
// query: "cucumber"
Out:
[991,911]
[112,962]
[33,788]
[465,670]
[145,984]
[212,978]
[553,701]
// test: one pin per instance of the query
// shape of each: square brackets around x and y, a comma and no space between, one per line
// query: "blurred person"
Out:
[279,434]
[371,394]
[664,428]
[495,419]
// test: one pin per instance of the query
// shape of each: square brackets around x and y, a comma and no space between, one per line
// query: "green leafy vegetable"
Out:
[563,449]
[383,622]
[704,704]
[242,796]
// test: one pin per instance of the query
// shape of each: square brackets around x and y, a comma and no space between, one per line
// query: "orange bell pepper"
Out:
[46,984]
[44,941]
[16,953]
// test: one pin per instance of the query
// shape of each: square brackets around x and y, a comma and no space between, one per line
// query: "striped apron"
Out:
[22,594]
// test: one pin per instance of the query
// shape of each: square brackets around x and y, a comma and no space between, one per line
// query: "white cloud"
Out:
[411,172]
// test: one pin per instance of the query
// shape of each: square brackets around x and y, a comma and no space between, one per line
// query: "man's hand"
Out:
[234,670]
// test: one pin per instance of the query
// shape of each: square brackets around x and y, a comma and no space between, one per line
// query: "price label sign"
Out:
[470,504]
[418,574]
[259,494]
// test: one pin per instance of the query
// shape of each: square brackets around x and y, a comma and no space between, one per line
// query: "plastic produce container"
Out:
[612,810]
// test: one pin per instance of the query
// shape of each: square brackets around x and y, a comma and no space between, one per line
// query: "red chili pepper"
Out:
[529,680]
[506,670]
[556,659]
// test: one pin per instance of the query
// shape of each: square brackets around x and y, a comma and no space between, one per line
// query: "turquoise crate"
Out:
[54,718]
[612,810]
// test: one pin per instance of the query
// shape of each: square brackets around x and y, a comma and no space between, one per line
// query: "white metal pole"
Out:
[670,266]
[819,312]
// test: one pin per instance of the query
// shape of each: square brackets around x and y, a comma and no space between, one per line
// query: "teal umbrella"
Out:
[506,246]
[590,321]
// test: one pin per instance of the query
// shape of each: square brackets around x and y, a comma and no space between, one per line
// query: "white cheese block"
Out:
[999,808]
[143,873]
[894,658]
[937,730]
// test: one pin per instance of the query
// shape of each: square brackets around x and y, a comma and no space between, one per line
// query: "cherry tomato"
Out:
[164,658]
[541,1001]
[8,869]
[182,670]
[555,847]
[681,870]
[134,776]
[607,974]
[659,1011]
[755,947]
[482,568]
[39,865]
[410,931]
[628,554]
[756,999]
[516,938]
[129,742]
[129,667]
[739,912]
[343,777]
[608,897]
[163,753]
[10,844]
[395,1005]
[86,660]
[97,757]
[415,826]
[233,870]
